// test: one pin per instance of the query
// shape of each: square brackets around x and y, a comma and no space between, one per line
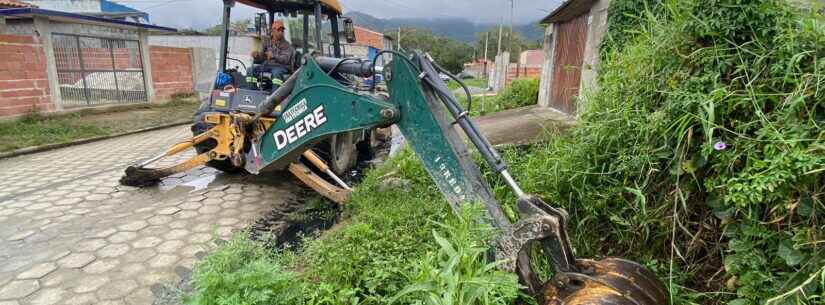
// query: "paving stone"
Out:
[190,205]
[140,296]
[179,224]
[134,226]
[21,235]
[113,250]
[65,278]
[147,242]
[163,260]
[37,271]
[200,238]
[186,214]
[48,296]
[168,211]
[176,234]
[116,290]
[139,255]
[76,260]
[83,299]
[160,219]
[228,221]
[100,266]
[84,237]
[170,246]
[105,233]
[18,289]
[131,270]
[68,201]
[121,237]
[90,283]
[90,245]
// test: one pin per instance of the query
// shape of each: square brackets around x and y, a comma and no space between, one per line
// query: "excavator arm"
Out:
[315,105]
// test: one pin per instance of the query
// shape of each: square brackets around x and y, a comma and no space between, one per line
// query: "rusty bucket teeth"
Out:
[612,281]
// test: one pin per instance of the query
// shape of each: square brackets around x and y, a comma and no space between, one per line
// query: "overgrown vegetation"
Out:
[521,93]
[36,129]
[399,244]
[705,144]
[700,155]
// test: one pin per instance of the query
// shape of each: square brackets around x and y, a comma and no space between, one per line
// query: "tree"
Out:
[235,27]
[510,40]
[449,53]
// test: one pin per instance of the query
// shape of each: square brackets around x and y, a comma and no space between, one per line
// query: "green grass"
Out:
[393,247]
[521,93]
[36,129]
[472,82]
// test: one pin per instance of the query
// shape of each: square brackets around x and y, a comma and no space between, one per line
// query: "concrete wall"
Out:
[596,30]
[171,71]
[24,84]
[546,77]
[93,30]
[240,47]
[71,6]
[204,69]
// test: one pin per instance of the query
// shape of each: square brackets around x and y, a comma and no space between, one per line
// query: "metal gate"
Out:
[571,37]
[98,71]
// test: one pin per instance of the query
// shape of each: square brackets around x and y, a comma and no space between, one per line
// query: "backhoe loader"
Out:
[258,130]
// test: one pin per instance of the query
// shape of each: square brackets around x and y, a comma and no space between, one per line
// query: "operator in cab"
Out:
[277,57]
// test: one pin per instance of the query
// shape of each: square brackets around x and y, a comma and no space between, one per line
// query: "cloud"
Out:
[200,14]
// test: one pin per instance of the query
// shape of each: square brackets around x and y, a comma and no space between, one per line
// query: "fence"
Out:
[98,71]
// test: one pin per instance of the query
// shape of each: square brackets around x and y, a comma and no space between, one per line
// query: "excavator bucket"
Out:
[608,281]
[433,134]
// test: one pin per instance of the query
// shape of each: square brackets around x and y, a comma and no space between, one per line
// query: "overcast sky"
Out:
[203,13]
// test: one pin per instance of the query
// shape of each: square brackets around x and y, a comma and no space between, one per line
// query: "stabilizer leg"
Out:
[334,193]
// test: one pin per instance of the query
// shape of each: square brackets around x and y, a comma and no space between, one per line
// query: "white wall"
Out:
[71,6]
[240,47]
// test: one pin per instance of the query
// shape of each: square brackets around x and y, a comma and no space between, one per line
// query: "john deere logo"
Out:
[302,127]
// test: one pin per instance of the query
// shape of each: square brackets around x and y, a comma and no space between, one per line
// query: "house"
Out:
[99,8]
[13,4]
[574,32]
[59,61]
[367,43]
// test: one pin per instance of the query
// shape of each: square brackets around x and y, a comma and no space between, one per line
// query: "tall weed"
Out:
[704,142]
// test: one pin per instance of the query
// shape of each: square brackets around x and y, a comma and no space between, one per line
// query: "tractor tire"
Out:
[342,153]
[226,165]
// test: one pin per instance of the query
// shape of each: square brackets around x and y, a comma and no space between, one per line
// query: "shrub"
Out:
[459,273]
[704,143]
[521,92]
[244,273]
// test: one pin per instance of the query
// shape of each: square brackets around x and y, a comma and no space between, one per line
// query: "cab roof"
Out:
[329,6]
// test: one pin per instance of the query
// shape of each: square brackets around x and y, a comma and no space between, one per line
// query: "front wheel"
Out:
[343,153]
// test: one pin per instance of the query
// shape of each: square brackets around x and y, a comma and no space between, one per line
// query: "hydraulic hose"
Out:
[279,95]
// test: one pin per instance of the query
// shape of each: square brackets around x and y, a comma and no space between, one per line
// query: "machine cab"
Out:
[242,85]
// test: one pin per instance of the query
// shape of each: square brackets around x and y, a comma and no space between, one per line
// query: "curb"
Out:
[47,147]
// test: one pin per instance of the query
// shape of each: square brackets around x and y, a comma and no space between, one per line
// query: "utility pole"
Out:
[399,38]
[500,30]
[486,41]
[510,35]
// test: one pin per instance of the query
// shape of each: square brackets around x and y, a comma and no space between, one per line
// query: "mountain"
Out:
[456,28]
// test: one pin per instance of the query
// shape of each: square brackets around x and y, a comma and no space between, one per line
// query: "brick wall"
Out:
[517,71]
[24,84]
[367,37]
[171,70]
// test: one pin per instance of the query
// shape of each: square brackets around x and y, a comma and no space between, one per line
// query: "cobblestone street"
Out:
[71,234]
